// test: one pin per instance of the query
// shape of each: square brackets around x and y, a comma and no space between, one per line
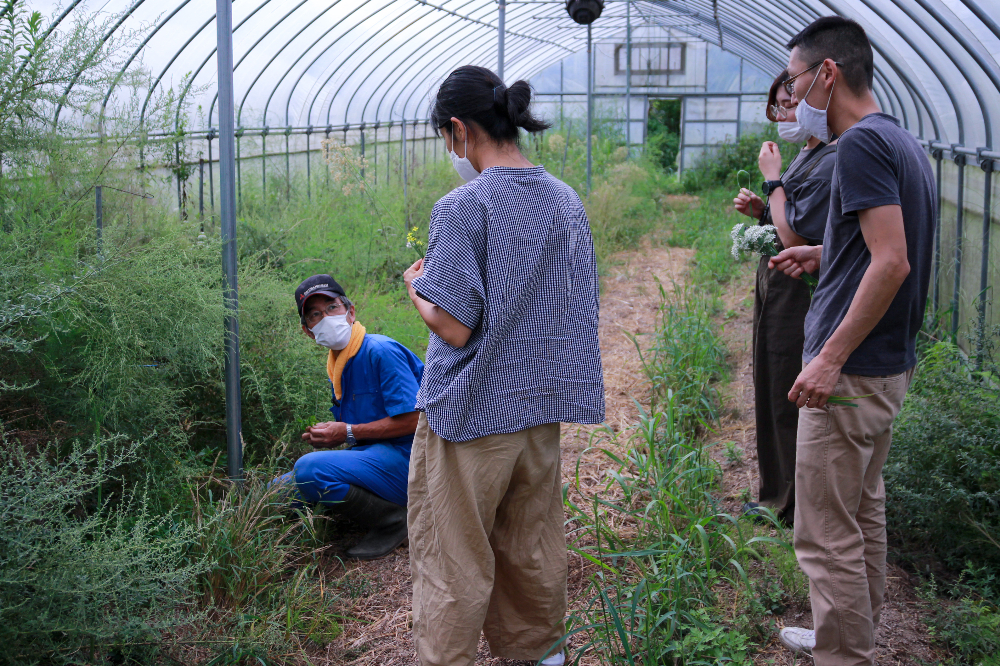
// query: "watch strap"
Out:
[350,435]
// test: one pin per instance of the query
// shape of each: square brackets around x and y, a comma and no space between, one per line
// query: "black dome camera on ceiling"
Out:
[584,12]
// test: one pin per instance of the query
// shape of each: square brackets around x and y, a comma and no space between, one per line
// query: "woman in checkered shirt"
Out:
[509,292]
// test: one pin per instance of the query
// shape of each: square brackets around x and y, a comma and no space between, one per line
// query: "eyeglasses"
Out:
[330,310]
[778,111]
[790,82]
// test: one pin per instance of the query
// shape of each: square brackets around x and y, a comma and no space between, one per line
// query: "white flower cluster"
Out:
[754,239]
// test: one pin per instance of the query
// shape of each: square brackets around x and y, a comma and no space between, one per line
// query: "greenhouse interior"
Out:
[169,173]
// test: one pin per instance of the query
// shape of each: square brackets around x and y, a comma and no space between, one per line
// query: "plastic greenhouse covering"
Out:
[304,69]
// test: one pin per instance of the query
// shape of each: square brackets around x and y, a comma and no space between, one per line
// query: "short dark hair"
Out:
[477,95]
[772,95]
[843,41]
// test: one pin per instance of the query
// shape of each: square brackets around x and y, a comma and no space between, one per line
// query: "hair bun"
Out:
[518,98]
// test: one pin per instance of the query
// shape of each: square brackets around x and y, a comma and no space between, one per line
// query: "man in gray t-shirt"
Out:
[860,335]
[890,169]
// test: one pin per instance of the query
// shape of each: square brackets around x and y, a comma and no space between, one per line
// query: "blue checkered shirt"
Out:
[510,256]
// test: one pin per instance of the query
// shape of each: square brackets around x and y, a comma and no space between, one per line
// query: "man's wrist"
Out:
[349,436]
[832,356]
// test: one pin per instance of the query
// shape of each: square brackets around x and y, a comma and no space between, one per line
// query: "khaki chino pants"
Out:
[840,536]
[487,545]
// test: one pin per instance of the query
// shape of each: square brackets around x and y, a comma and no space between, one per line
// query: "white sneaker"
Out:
[797,639]
[557,659]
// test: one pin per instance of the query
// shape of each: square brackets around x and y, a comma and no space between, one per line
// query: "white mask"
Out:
[792,132]
[462,164]
[332,332]
[813,120]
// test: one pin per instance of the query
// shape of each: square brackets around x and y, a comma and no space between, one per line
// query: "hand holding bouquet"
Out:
[759,239]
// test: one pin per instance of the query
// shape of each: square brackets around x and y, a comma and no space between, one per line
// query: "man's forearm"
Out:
[387,428]
[878,287]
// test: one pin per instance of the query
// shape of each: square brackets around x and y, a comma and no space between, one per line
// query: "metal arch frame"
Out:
[352,53]
[215,99]
[166,68]
[306,69]
[372,71]
[79,72]
[416,86]
[302,55]
[128,63]
[239,113]
[211,53]
[477,37]
[319,88]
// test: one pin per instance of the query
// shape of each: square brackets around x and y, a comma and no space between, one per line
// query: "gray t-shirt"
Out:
[878,164]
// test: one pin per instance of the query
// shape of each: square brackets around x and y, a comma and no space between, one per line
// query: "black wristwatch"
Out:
[770,186]
[350,436]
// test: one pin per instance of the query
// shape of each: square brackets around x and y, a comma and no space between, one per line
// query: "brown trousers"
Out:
[487,545]
[840,536]
[780,306]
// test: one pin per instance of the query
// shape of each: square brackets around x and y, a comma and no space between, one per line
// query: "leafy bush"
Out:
[943,473]
[80,580]
[718,166]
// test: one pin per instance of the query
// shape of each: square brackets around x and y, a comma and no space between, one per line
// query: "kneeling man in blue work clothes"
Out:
[374,381]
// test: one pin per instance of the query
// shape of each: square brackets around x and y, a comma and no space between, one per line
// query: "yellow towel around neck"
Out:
[336,361]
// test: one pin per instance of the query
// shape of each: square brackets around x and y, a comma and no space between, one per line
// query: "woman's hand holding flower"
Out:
[769,160]
[749,204]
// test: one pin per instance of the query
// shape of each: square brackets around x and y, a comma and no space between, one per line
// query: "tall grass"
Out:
[653,596]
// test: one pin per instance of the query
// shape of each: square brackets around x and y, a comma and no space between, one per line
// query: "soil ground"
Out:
[379,634]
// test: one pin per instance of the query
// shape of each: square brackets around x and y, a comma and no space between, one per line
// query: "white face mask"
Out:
[462,164]
[332,332]
[812,119]
[792,132]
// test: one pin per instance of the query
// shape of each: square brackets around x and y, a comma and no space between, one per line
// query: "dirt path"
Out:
[380,636]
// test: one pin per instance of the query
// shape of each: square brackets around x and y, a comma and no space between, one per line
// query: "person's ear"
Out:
[350,315]
[830,72]
[305,329]
[459,131]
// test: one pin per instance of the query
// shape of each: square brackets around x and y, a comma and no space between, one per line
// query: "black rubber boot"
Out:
[385,521]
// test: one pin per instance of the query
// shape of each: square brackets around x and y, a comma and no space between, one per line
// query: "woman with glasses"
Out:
[798,201]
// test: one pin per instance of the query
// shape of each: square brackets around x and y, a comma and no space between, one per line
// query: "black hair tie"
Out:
[495,92]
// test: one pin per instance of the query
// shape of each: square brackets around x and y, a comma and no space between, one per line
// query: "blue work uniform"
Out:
[380,381]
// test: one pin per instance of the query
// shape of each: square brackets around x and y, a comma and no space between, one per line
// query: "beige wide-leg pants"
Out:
[840,536]
[487,545]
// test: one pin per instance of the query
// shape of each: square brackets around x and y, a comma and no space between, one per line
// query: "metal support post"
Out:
[984,275]
[227,201]
[375,149]
[239,169]
[309,194]
[959,233]
[562,111]
[388,154]
[99,216]
[938,158]
[501,30]
[402,161]
[590,104]
[362,151]
[211,182]
[288,166]
[326,156]
[201,192]
[628,79]
[263,163]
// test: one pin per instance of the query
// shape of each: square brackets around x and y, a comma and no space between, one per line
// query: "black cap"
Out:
[317,284]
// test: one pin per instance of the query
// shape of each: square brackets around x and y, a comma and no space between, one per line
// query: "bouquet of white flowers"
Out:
[759,239]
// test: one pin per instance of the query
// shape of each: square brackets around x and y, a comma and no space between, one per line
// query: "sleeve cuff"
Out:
[468,314]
